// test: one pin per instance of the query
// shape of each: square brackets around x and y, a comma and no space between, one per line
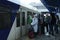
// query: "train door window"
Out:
[18,19]
[5,21]
[23,18]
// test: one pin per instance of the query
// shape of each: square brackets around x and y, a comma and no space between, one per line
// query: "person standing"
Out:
[56,25]
[47,20]
[39,27]
[35,24]
[29,20]
[53,22]
[42,23]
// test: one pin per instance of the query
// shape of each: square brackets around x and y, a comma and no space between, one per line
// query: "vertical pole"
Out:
[21,23]
[25,22]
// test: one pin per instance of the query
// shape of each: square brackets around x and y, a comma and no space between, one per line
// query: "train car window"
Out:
[5,21]
[18,19]
[23,18]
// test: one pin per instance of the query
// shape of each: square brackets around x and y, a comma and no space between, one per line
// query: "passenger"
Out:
[30,28]
[29,20]
[56,25]
[42,24]
[39,29]
[47,20]
[35,24]
[53,22]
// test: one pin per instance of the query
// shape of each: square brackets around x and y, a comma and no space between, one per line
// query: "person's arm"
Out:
[34,22]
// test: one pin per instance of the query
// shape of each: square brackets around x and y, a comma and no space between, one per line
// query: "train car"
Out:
[8,12]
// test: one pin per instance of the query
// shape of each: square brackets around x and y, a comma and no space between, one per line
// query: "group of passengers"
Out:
[46,23]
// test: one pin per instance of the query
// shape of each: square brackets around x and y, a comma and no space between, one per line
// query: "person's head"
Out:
[36,15]
[32,15]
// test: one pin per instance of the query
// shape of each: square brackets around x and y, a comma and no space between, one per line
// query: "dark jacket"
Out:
[53,21]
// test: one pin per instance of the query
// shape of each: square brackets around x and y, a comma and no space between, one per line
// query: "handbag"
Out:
[31,33]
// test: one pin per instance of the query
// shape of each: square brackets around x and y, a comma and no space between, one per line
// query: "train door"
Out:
[23,23]
[20,22]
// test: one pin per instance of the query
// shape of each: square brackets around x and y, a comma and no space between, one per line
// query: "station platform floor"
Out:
[43,37]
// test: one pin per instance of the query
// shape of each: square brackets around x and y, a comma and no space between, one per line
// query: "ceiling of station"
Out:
[38,5]
[31,4]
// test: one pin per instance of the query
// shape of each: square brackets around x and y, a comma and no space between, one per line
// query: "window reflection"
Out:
[23,18]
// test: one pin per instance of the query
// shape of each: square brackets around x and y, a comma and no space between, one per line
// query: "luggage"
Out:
[31,33]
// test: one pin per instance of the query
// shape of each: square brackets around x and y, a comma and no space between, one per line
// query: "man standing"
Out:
[47,20]
[35,24]
[42,24]
[53,22]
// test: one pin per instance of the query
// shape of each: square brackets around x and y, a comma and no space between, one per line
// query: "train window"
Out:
[18,19]
[5,21]
[23,18]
